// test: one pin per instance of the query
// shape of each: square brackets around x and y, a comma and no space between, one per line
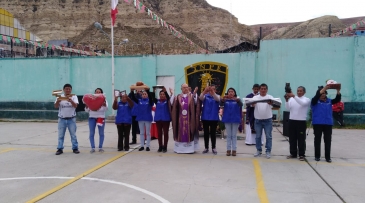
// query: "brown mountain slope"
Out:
[270,28]
[73,19]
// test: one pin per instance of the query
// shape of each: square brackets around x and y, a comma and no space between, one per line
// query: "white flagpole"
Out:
[112,39]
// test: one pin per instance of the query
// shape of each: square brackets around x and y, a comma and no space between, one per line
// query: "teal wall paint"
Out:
[307,62]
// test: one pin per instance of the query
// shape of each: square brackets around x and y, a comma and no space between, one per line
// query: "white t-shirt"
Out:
[99,113]
[263,110]
[298,107]
[66,110]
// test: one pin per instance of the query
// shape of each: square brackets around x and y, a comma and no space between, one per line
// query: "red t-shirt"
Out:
[338,107]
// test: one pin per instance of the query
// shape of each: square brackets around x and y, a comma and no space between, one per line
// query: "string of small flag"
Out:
[142,8]
[350,28]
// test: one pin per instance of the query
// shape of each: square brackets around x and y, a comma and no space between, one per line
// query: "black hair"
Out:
[101,90]
[231,88]
[256,85]
[67,85]
[264,85]
[302,88]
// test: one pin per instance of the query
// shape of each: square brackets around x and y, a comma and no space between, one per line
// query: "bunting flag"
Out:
[142,8]
[114,11]
[350,28]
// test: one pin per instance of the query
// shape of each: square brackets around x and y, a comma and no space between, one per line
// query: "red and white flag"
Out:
[114,11]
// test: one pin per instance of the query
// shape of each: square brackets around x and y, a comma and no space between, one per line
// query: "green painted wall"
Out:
[307,62]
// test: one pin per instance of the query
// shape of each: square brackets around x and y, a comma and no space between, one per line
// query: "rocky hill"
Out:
[317,27]
[73,19]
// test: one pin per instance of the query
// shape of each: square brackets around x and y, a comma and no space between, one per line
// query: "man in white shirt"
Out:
[263,120]
[298,107]
[66,105]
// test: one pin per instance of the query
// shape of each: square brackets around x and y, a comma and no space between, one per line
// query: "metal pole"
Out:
[112,40]
[329,30]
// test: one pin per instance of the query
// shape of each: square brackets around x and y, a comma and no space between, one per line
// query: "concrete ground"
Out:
[30,172]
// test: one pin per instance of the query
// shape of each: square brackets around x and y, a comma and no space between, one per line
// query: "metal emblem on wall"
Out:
[205,73]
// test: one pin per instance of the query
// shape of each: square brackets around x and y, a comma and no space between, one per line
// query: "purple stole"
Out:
[184,120]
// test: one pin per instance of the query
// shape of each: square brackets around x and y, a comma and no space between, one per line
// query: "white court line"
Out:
[95,179]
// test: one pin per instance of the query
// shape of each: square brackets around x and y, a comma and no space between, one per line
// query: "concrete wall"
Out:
[307,62]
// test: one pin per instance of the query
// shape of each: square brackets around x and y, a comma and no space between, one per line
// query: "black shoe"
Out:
[76,151]
[141,149]
[329,160]
[134,142]
[126,149]
[317,159]
[60,151]
[147,149]
[164,150]
[120,150]
[159,149]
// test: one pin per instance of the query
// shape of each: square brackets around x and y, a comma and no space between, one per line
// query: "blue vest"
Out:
[322,113]
[123,113]
[162,112]
[134,109]
[144,110]
[210,109]
[232,112]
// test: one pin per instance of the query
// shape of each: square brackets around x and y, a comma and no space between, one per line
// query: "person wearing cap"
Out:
[322,121]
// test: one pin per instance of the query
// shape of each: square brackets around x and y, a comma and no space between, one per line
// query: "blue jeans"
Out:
[71,125]
[92,124]
[231,129]
[265,124]
[141,125]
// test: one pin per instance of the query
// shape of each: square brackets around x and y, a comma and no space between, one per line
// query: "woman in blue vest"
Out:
[123,120]
[322,121]
[162,118]
[144,117]
[232,113]
[210,116]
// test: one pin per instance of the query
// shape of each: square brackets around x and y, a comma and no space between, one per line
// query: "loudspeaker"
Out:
[286,123]
[81,105]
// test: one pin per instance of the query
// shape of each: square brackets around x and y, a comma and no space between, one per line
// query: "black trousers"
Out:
[210,129]
[297,137]
[135,129]
[338,116]
[327,138]
[123,135]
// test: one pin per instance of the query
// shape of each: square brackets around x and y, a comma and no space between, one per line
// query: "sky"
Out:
[252,12]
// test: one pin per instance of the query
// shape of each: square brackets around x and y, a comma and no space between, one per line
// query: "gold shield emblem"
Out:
[205,73]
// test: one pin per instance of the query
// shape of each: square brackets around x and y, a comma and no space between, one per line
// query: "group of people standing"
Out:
[187,109]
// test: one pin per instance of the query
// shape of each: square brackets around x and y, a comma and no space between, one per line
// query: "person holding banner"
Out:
[67,105]
[97,118]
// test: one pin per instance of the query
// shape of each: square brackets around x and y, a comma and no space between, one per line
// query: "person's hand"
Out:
[290,95]
[326,87]
[195,90]
[104,104]
[237,99]
[58,100]
[86,107]
[269,102]
[154,89]
[171,91]
[70,99]
[207,89]
[115,98]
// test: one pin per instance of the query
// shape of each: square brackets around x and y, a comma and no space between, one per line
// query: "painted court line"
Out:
[95,179]
[261,191]
[53,190]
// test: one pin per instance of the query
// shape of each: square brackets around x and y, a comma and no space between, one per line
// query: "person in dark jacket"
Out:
[162,118]
[144,117]
[135,128]
[322,121]
[123,120]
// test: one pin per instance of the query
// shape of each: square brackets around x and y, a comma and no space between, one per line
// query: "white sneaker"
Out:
[258,153]
[92,150]
[268,155]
